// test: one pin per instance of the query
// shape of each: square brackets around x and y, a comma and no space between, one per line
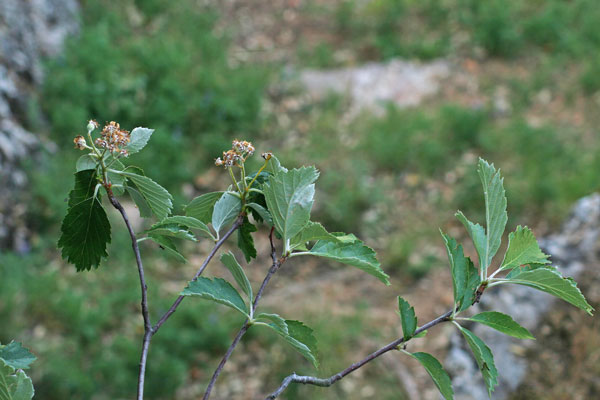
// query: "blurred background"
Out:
[393,101]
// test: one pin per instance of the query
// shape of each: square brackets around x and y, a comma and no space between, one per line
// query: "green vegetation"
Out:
[546,167]
[287,198]
[158,65]
[383,29]
[393,178]
[85,332]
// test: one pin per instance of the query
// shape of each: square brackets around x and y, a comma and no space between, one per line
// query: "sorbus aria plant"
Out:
[282,199]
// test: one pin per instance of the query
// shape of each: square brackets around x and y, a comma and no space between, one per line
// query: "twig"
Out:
[217,372]
[148,330]
[274,268]
[238,222]
[325,382]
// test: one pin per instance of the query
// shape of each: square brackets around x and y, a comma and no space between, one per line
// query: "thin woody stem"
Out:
[325,382]
[217,372]
[148,330]
[238,222]
[247,324]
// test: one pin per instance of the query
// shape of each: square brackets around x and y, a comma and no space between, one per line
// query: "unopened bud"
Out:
[91,125]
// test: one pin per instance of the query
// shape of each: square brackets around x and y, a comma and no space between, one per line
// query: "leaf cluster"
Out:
[526,265]
[14,383]
[282,199]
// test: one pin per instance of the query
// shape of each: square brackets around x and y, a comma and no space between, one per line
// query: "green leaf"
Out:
[436,371]
[84,188]
[14,385]
[523,249]
[262,212]
[140,201]
[495,208]
[245,241]
[345,237]
[86,161]
[275,166]
[503,323]
[202,206]
[217,290]
[226,210]
[85,229]
[477,234]
[304,335]
[118,182]
[16,356]
[166,244]
[312,231]
[528,267]
[189,222]
[171,230]
[473,283]
[139,138]
[465,279]
[275,320]
[300,337]
[422,334]
[159,200]
[228,259]
[260,178]
[550,281]
[484,357]
[352,253]
[408,318]
[289,196]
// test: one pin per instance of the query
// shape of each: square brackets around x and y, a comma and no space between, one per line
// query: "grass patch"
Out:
[383,29]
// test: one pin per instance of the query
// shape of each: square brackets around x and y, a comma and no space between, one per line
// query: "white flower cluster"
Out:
[240,151]
[112,137]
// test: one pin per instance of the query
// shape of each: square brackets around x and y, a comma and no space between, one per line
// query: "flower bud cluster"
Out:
[240,151]
[243,147]
[80,143]
[230,158]
[112,138]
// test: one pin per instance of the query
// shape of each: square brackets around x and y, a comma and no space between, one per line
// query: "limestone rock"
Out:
[29,32]
[571,249]
[372,85]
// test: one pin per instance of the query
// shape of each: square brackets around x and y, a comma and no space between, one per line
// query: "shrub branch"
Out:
[277,263]
[326,382]
[238,222]
[150,330]
[286,202]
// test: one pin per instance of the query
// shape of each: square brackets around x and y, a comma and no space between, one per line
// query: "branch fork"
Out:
[149,329]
